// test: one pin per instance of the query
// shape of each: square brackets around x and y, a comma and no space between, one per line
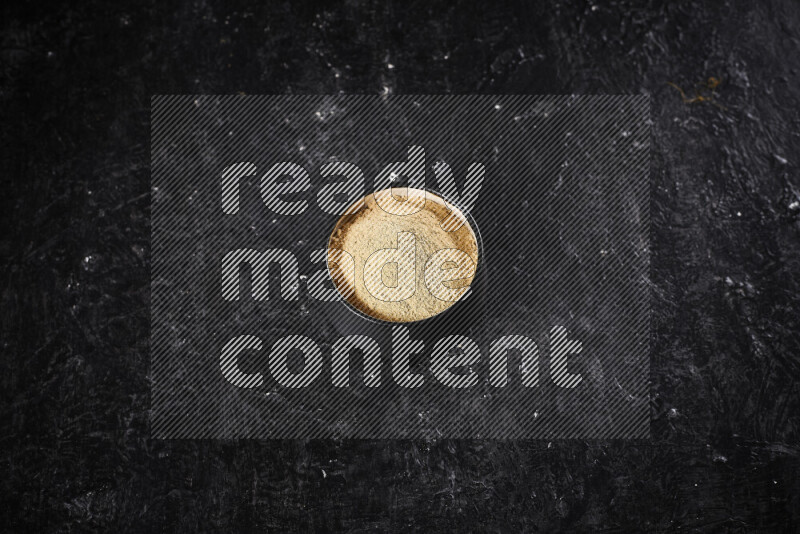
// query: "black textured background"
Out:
[76,87]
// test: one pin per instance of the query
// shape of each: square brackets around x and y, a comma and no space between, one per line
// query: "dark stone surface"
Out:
[76,87]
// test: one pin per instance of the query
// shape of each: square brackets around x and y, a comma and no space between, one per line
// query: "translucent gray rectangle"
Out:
[563,215]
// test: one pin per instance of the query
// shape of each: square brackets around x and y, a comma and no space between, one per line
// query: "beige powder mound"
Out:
[371,229]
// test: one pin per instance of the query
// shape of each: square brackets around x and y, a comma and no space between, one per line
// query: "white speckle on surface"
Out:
[89,262]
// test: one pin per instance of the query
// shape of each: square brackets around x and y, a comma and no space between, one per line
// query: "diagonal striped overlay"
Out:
[250,340]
